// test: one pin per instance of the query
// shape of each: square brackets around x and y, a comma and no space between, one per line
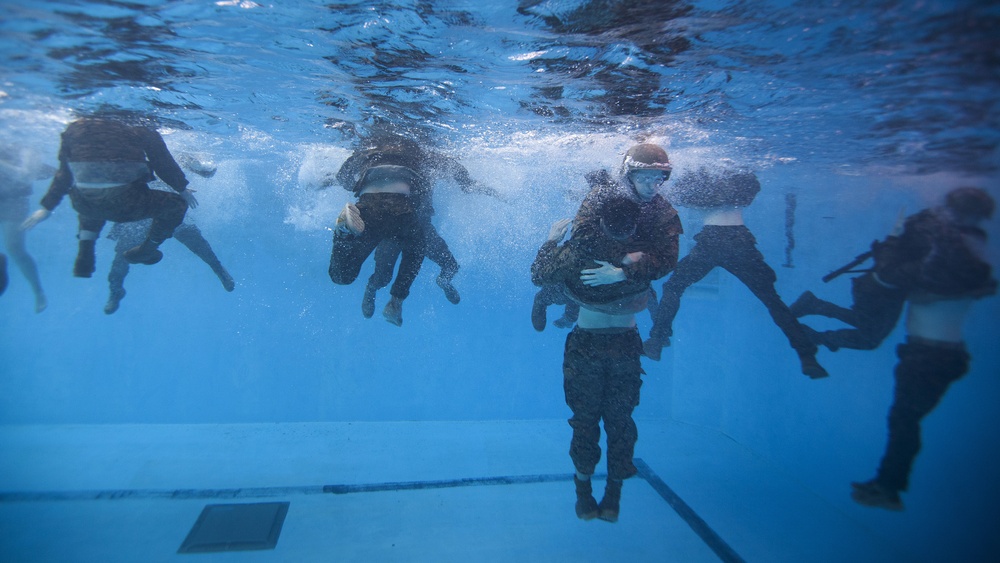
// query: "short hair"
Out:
[970,202]
[619,215]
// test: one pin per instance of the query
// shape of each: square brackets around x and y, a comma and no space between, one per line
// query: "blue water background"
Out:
[860,109]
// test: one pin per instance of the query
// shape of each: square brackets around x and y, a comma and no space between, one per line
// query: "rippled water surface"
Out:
[900,84]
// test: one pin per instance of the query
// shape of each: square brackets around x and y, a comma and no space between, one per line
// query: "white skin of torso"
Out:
[390,187]
[590,319]
[937,320]
[723,216]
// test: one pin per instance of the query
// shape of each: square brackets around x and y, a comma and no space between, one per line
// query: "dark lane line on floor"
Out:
[470,482]
[695,522]
[262,492]
[699,526]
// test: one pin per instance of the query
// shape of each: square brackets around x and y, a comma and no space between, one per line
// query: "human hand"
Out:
[35,218]
[559,230]
[188,196]
[604,275]
[350,219]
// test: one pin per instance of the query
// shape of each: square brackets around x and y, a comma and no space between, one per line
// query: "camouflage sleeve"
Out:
[587,223]
[60,184]
[547,269]
[350,171]
[163,163]
[660,252]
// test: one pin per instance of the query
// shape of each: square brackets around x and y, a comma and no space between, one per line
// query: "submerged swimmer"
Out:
[726,242]
[389,186]
[392,164]
[105,165]
[939,262]
[645,168]
[601,366]
[18,169]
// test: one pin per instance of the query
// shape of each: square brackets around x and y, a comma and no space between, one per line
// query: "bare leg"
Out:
[438,252]
[3,273]
[19,252]
[191,237]
[386,255]
[126,235]
[116,279]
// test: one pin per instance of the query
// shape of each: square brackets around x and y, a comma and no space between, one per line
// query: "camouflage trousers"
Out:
[923,374]
[601,379]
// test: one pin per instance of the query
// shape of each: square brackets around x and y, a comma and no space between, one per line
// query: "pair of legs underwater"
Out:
[922,376]
[18,251]
[873,314]
[734,249]
[128,235]
[601,380]
[388,252]
[125,204]
[387,224]
[378,218]
[925,371]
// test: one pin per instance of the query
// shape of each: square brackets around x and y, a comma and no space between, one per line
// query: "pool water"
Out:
[849,113]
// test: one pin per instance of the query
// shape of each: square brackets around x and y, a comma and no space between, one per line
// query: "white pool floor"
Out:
[405,491]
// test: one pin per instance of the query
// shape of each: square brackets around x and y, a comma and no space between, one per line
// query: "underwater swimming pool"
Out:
[849,114]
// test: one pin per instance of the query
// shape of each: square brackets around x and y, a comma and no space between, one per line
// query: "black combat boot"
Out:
[368,301]
[804,305]
[227,280]
[871,493]
[393,311]
[586,506]
[538,312]
[811,367]
[450,293]
[612,498]
[570,314]
[85,259]
[114,300]
[146,253]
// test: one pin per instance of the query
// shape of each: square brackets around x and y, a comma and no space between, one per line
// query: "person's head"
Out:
[969,205]
[646,167]
[619,216]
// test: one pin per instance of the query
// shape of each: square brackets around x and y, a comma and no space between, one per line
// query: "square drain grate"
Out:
[236,527]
